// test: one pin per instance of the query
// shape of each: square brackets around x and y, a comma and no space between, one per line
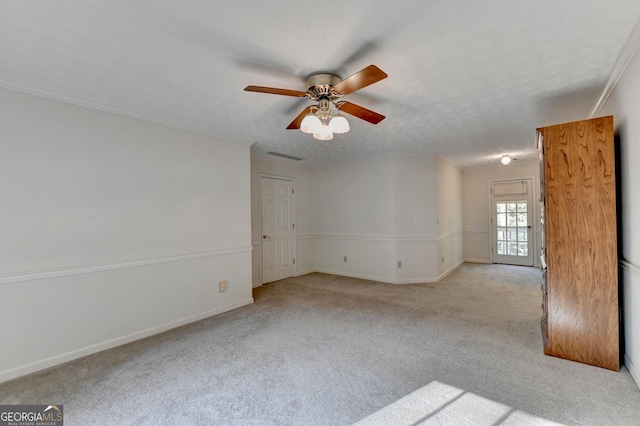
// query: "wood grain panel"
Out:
[580,240]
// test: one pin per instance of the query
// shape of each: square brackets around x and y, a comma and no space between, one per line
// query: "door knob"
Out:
[265,236]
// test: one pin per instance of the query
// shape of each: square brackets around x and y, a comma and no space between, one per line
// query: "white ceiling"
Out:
[468,80]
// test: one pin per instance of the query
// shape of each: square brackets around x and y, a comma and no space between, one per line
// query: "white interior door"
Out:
[512,219]
[278,229]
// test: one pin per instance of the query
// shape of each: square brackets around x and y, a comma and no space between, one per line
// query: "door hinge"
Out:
[293,225]
[293,191]
[294,261]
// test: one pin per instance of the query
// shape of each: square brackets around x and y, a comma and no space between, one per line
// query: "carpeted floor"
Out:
[328,350]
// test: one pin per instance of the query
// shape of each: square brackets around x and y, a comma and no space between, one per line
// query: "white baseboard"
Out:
[360,276]
[301,273]
[635,374]
[99,347]
[477,261]
[431,279]
[297,274]
[379,279]
[416,280]
[450,270]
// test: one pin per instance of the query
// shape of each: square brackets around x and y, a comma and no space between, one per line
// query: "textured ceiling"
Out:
[467,80]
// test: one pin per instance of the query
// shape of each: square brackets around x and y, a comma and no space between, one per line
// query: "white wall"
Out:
[354,216]
[376,213]
[477,209]
[266,166]
[112,229]
[450,217]
[416,237]
[624,105]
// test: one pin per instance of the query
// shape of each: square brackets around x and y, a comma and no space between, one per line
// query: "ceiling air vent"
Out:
[278,154]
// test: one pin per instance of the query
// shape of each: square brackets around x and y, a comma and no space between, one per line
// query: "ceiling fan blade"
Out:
[360,112]
[360,53]
[264,66]
[274,91]
[295,124]
[362,78]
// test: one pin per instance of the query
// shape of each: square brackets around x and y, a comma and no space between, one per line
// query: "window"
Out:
[511,220]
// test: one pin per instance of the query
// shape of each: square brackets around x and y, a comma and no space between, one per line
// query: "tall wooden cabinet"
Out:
[580,282]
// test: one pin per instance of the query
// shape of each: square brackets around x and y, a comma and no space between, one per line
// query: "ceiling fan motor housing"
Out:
[320,86]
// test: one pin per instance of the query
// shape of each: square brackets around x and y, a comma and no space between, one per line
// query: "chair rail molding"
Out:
[131,263]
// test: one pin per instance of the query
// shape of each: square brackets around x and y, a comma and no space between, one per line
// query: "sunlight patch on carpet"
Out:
[441,404]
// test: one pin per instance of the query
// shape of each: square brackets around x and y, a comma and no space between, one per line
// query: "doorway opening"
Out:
[277,227]
[511,222]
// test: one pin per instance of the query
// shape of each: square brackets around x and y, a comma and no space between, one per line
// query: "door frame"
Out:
[293,213]
[534,216]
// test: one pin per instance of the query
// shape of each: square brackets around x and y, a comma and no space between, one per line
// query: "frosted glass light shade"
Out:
[310,124]
[324,133]
[339,124]
[505,160]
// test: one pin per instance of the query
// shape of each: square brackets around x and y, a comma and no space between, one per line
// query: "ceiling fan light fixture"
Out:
[324,133]
[339,124]
[310,124]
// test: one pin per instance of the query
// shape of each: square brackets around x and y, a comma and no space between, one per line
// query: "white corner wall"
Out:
[477,209]
[449,221]
[416,237]
[113,229]
[624,105]
[381,212]
[302,177]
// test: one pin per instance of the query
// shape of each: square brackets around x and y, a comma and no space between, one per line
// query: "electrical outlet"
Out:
[222,286]
[399,264]
[344,259]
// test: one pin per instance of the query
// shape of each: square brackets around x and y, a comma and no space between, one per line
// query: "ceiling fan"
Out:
[324,119]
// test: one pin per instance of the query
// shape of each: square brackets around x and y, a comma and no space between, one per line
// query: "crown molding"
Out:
[629,49]
[117,111]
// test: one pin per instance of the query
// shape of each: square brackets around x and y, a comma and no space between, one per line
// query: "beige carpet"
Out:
[440,404]
[328,350]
